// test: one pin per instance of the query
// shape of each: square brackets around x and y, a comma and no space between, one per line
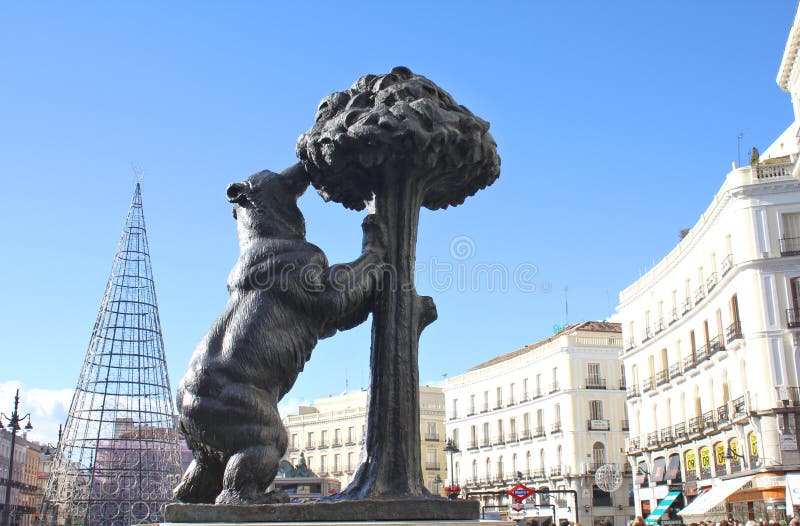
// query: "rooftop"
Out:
[587,326]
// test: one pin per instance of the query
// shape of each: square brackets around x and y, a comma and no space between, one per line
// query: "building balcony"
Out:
[595,383]
[337,443]
[679,431]
[652,439]
[675,371]
[323,444]
[525,435]
[726,264]
[660,326]
[630,344]
[512,437]
[723,416]
[634,444]
[511,401]
[687,305]
[622,385]
[649,384]
[662,377]
[472,445]
[646,334]
[665,435]
[739,409]
[790,246]
[486,442]
[538,474]
[699,294]
[708,420]
[715,346]
[431,437]
[311,445]
[554,387]
[555,471]
[625,425]
[788,396]
[556,427]
[701,353]
[499,440]
[734,331]
[633,392]
[688,363]
[498,405]
[293,449]
[673,316]
[695,425]
[432,466]
[793,318]
[598,425]
[711,281]
[471,412]
[538,432]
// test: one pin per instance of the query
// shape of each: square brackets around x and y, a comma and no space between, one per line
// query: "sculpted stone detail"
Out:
[283,298]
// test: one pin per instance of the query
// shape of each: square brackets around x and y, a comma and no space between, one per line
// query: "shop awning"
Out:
[662,507]
[714,496]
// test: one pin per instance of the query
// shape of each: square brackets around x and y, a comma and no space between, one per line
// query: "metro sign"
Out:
[520,492]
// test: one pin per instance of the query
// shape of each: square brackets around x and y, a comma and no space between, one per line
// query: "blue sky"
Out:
[616,123]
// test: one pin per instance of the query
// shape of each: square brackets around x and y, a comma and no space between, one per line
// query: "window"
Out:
[659,470]
[499,397]
[593,372]
[337,463]
[472,404]
[322,463]
[351,435]
[485,401]
[350,463]
[790,241]
[526,423]
[455,408]
[524,388]
[337,437]
[475,470]
[500,431]
[539,419]
[596,409]
[555,379]
[512,426]
[734,309]
[310,441]
[430,458]
[511,399]
[455,438]
[538,385]
[598,454]
[473,436]
[431,432]
[294,440]
[557,413]
[486,433]
[600,497]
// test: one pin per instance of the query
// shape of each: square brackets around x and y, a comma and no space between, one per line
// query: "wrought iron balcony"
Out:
[432,466]
[554,387]
[790,246]
[688,363]
[734,331]
[499,440]
[660,325]
[679,430]
[695,425]
[673,317]
[793,318]
[708,420]
[512,437]
[486,442]
[595,383]
[675,370]
[556,427]
[630,344]
[739,409]
[555,471]
[726,264]
[701,353]
[711,281]
[432,437]
[687,306]
[649,384]
[662,377]
[473,445]
[652,439]
[723,415]
[633,392]
[525,435]
[485,408]
[666,435]
[538,432]
[646,334]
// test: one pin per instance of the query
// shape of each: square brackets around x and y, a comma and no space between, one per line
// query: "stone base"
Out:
[365,510]
[363,523]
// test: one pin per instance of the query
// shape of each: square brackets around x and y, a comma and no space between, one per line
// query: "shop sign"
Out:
[598,425]
[690,488]
[720,454]
[753,445]
[705,458]
[788,442]
[770,481]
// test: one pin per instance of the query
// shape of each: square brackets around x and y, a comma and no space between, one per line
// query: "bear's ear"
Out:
[296,179]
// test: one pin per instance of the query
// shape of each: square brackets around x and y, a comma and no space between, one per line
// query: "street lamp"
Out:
[451,449]
[13,426]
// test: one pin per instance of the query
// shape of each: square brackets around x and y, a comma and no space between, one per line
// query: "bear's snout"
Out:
[236,192]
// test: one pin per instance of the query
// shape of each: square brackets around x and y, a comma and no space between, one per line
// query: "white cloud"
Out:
[614,318]
[48,408]
[291,406]
[436,383]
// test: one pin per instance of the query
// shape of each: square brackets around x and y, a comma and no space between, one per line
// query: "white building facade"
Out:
[547,415]
[712,347]
[330,434]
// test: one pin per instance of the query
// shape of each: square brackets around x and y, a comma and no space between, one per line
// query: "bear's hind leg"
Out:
[248,474]
[201,483]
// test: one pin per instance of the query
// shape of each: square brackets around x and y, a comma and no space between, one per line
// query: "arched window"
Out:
[488,469]
[598,454]
[514,465]
[500,467]
[528,463]
[541,458]
[475,470]
[559,456]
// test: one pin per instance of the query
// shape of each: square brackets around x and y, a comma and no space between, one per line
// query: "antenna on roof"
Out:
[566,307]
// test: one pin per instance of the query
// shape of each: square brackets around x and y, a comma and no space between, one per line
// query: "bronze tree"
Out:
[401,141]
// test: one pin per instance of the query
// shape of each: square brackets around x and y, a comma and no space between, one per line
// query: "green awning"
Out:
[662,507]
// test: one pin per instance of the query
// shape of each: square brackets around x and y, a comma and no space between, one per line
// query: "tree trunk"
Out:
[393,464]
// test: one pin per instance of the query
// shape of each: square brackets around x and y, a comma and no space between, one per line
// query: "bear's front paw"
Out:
[375,237]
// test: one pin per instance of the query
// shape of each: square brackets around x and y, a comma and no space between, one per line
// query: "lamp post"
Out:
[13,426]
[451,448]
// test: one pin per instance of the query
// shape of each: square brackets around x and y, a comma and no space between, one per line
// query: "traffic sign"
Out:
[520,492]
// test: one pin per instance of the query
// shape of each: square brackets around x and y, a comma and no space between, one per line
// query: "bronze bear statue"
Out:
[283,298]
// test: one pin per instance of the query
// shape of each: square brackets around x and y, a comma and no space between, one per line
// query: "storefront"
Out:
[752,497]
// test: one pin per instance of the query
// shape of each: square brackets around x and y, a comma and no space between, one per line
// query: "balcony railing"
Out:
[699,294]
[634,444]
[679,430]
[625,425]
[739,409]
[499,440]
[538,474]
[662,377]
[688,363]
[790,246]
[485,408]
[723,416]
[630,344]
[646,334]
[726,264]
[714,346]
[711,281]
[701,353]
[323,444]
[511,401]
[633,392]
[595,383]
[555,471]
[789,396]
[660,325]
[512,437]
[554,387]
[525,435]
[431,437]
[652,439]
[486,442]
[793,318]
[473,445]
[622,385]
[666,435]
[673,317]
[695,425]
[556,427]
[734,331]
[708,420]
[687,306]
[432,466]
[648,384]
[538,432]
[674,370]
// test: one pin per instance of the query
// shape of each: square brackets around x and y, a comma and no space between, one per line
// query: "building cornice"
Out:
[789,58]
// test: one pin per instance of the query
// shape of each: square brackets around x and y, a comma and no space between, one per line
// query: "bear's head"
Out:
[265,204]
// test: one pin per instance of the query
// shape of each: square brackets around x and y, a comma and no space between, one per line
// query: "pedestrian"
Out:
[638,521]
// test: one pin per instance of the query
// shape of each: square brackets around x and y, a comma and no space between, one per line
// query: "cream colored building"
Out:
[546,415]
[24,487]
[712,350]
[330,434]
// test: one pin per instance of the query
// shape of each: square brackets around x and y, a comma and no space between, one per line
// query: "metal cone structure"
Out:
[119,455]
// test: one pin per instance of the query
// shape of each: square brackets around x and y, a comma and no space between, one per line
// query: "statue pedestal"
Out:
[386,511]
